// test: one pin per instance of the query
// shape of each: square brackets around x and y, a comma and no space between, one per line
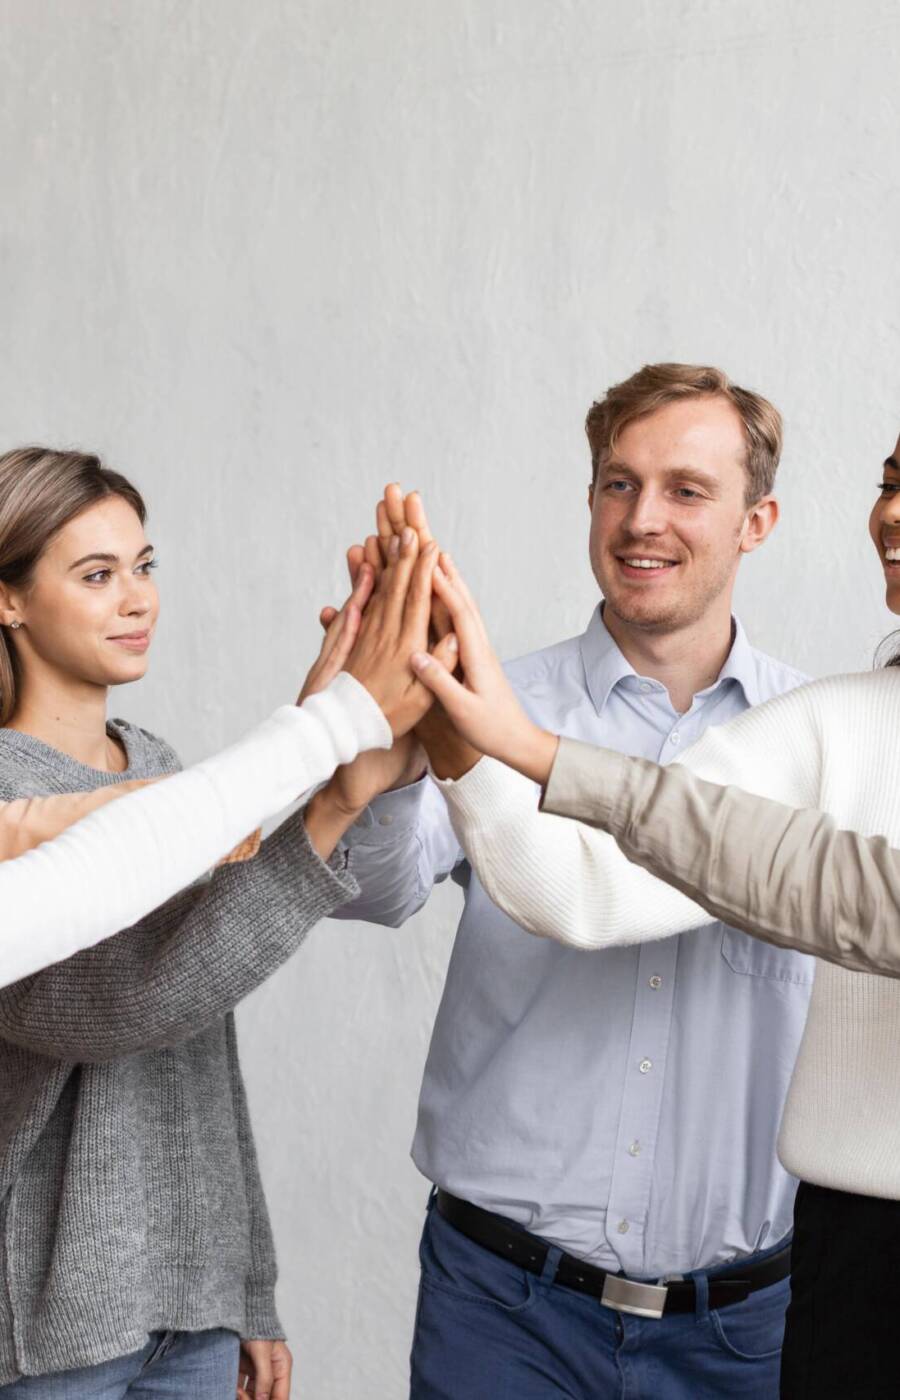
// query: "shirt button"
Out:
[386,820]
[623,1227]
[675,738]
[645,1066]
[656,983]
[634,1150]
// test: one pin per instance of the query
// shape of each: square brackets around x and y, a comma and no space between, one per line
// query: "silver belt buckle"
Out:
[642,1299]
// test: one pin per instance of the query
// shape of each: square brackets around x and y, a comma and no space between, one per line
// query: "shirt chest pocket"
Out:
[750,957]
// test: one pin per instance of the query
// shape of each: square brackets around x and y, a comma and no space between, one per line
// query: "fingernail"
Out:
[394,547]
[430,548]
[452,643]
[407,536]
[419,660]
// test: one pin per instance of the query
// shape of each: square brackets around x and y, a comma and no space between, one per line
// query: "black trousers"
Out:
[842,1336]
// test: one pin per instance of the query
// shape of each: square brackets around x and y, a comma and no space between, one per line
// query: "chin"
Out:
[126,674]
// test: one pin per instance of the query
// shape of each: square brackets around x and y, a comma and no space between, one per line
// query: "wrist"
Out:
[452,760]
[537,754]
[326,822]
[328,803]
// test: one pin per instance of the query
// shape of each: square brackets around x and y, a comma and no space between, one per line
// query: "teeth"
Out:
[892,555]
[660,563]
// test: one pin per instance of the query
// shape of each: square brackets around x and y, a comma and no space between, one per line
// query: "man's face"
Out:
[669,520]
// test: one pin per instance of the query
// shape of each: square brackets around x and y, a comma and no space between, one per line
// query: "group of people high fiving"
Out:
[604,1107]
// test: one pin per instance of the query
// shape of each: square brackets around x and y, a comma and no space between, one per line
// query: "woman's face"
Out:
[884,527]
[91,608]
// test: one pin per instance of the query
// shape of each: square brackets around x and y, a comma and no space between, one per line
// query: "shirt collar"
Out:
[605,666]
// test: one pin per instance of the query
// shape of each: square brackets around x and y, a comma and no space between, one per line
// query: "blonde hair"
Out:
[41,490]
[656,385]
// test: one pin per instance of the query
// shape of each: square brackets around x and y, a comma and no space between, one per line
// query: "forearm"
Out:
[398,849]
[785,875]
[107,871]
[183,966]
[555,878]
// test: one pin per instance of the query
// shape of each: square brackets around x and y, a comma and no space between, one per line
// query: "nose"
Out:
[134,601]
[646,515]
[890,511]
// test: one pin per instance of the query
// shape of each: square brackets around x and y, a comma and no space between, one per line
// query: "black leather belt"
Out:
[529,1252]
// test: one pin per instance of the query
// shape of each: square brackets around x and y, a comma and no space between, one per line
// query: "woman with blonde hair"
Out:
[133,1228]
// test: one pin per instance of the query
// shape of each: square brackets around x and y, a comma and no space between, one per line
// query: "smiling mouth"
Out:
[644,566]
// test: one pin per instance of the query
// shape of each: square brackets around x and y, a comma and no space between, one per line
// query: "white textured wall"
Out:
[267,256]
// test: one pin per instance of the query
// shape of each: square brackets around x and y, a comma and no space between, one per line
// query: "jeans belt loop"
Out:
[642,1299]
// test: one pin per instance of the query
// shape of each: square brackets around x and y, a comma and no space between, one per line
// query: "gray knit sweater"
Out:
[130,1198]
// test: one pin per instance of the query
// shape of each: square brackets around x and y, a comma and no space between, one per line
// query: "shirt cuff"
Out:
[588,783]
[388,816]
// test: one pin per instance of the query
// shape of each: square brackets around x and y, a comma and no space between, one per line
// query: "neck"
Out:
[685,660]
[69,716]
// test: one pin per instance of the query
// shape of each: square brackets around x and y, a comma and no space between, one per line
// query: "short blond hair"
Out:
[656,385]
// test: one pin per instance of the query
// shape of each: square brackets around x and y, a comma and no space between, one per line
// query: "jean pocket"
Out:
[753,1330]
[457,1268]
[750,957]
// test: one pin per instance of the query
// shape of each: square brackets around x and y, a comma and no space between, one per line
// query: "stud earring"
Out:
[15,626]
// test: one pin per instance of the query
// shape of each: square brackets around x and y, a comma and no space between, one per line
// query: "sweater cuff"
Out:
[485,793]
[261,1320]
[352,718]
[589,784]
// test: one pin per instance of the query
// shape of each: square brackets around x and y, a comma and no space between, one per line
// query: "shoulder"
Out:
[149,756]
[775,677]
[550,665]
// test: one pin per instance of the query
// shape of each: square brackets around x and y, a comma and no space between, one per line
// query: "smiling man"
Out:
[597,1122]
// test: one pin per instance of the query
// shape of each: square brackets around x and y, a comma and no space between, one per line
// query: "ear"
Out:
[760,522]
[8,611]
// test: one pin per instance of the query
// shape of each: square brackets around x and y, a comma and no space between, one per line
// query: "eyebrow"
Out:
[107,558]
[671,473]
[892,463]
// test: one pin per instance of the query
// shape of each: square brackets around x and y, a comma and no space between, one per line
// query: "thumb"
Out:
[446,652]
[433,674]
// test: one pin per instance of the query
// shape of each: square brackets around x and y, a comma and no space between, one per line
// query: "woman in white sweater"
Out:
[829,748]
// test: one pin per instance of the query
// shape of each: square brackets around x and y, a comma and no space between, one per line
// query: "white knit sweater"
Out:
[832,745]
[110,869]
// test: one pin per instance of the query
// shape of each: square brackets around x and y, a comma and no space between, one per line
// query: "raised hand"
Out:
[483,706]
[397,613]
[341,632]
[394,625]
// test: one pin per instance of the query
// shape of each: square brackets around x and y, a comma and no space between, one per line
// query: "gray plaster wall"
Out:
[268,256]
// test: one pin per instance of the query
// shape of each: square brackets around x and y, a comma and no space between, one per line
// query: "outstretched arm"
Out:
[138,848]
[561,878]
[785,875]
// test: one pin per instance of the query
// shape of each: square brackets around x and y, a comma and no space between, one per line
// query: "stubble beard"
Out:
[667,615]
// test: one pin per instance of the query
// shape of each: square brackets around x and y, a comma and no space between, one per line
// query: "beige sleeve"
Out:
[784,874]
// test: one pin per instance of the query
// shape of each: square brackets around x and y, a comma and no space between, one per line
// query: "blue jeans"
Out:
[487,1330]
[172,1366]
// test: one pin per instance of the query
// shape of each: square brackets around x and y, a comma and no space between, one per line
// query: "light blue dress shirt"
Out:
[622,1104]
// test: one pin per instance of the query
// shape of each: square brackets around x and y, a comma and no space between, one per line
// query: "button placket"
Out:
[632,1178]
